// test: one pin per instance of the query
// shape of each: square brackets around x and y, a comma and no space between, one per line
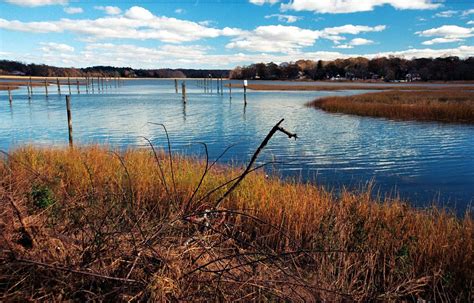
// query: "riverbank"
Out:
[444,106]
[344,86]
[91,224]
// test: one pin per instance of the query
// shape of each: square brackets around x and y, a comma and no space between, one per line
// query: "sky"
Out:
[229,33]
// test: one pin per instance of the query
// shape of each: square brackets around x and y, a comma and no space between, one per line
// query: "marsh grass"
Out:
[119,230]
[444,106]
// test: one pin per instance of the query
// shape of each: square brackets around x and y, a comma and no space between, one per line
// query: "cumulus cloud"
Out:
[284,18]
[291,39]
[446,34]
[73,10]
[50,47]
[34,3]
[137,23]
[109,10]
[262,2]
[196,56]
[352,6]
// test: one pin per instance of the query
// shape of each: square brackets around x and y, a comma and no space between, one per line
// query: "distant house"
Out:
[17,73]
[412,77]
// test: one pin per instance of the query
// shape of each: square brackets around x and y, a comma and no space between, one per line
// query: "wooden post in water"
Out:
[87,85]
[183,91]
[98,84]
[210,82]
[222,86]
[10,98]
[29,93]
[69,85]
[245,92]
[46,87]
[31,87]
[102,82]
[59,86]
[77,85]
[69,119]
[92,84]
[176,85]
[230,90]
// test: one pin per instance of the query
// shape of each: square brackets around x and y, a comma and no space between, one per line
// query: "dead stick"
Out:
[254,158]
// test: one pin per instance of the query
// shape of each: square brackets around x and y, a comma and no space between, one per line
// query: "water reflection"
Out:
[423,161]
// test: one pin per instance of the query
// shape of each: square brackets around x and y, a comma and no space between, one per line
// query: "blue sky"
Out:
[224,34]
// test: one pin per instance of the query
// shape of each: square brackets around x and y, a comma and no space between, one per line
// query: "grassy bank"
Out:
[90,224]
[444,106]
[343,86]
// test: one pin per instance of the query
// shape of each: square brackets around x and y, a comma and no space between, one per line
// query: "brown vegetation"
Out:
[90,224]
[444,106]
[336,87]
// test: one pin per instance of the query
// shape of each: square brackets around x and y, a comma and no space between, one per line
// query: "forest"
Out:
[387,69]
[378,69]
[41,70]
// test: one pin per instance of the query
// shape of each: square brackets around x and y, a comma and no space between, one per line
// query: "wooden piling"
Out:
[102,82]
[77,85]
[59,86]
[87,85]
[46,87]
[92,84]
[183,91]
[31,87]
[176,85]
[69,85]
[29,93]
[69,119]
[230,90]
[98,84]
[245,94]
[222,86]
[10,98]
[210,82]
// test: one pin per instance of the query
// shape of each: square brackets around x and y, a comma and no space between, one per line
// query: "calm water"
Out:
[423,162]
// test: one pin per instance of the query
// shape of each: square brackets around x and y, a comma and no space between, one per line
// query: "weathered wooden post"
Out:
[102,82]
[230,90]
[77,85]
[92,84]
[31,87]
[69,119]
[45,87]
[183,91]
[210,82]
[176,85]
[245,92]
[222,86]
[10,98]
[98,84]
[59,86]
[29,93]
[69,85]
[87,85]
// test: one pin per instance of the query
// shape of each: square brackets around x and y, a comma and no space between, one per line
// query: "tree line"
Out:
[18,68]
[384,68]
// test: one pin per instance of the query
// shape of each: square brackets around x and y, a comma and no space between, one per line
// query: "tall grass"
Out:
[445,106]
[91,224]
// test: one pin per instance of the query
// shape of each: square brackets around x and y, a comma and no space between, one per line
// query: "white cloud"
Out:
[284,18]
[139,13]
[109,10]
[468,12]
[196,56]
[179,11]
[470,22]
[446,14]
[262,2]
[355,42]
[73,10]
[137,23]
[352,6]
[50,47]
[291,39]
[441,40]
[446,34]
[34,3]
